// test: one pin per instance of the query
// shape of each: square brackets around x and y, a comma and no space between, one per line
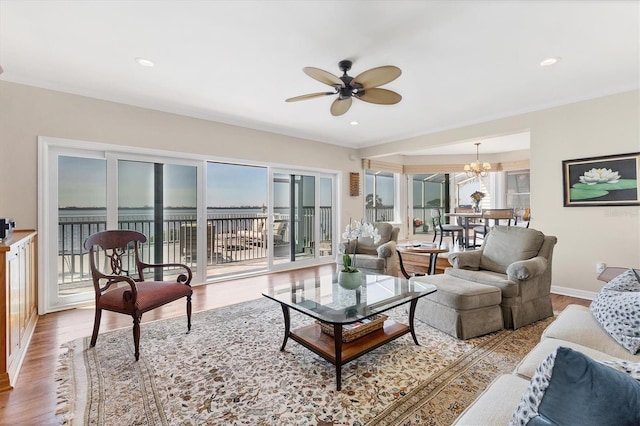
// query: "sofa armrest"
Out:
[387,249]
[527,269]
[466,259]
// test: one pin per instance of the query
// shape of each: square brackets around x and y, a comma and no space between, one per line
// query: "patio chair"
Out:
[120,284]
[445,228]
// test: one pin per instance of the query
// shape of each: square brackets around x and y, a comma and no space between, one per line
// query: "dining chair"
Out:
[497,216]
[119,282]
[525,219]
[445,228]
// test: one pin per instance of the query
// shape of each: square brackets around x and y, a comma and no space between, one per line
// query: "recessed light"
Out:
[145,62]
[547,62]
[354,123]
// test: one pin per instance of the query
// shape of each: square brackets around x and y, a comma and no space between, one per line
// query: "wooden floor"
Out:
[33,399]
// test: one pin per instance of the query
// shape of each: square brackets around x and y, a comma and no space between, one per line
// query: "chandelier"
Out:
[476,168]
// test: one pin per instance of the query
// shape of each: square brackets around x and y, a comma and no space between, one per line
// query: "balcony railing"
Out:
[230,239]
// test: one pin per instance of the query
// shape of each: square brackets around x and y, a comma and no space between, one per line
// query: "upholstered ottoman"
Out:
[461,308]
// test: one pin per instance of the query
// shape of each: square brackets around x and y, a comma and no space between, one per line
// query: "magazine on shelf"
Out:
[356,324]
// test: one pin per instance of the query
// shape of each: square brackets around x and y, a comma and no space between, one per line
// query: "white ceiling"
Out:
[236,62]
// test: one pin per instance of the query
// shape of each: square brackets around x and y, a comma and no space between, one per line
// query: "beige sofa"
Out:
[574,328]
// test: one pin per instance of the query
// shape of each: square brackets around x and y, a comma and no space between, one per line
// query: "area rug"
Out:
[230,371]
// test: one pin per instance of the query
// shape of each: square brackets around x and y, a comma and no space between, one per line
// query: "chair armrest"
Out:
[387,249]
[182,278]
[466,259]
[527,269]
[128,295]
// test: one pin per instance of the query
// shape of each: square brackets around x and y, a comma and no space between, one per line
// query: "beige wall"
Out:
[27,112]
[586,235]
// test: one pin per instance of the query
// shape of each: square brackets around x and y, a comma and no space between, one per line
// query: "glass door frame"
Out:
[49,299]
[307,260]
[50,147]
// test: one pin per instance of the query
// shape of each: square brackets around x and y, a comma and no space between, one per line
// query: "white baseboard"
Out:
[567,291]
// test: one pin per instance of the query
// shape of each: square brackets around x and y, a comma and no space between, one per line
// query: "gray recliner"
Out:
[380,258]
[518,261]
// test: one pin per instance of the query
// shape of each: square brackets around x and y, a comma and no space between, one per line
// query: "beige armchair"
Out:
[380,258]
[518,261]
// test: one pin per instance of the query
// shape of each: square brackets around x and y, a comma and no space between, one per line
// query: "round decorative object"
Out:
[350,280]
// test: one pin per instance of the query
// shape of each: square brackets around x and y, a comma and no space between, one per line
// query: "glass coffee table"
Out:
[342,310]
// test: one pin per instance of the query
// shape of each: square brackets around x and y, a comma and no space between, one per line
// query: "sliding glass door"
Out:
[220,219]
[302,217]
[81,211]
[159,200]
[98,191]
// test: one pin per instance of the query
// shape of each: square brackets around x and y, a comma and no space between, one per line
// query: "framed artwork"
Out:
[610,180]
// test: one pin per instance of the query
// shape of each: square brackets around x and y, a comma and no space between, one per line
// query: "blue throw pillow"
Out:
[569,388]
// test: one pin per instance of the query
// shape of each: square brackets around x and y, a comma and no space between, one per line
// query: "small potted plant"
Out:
[350,276]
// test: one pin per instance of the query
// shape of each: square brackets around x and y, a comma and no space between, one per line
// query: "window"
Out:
[380,196]
[518,192]
[220,219]
[427,191]
[465,186]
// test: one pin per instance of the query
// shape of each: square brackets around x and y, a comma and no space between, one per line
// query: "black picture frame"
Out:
[610,180]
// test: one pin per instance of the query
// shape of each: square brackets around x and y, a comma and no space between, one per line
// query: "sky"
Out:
[82,183]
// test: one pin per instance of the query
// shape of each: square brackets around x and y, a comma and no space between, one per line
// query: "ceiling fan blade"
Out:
[377,76]
[380,96]
[340,106]
[309,96]
[323,76]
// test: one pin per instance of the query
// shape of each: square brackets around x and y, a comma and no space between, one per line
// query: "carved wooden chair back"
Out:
[119,282]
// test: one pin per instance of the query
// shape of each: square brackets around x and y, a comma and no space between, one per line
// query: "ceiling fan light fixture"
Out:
[364,86]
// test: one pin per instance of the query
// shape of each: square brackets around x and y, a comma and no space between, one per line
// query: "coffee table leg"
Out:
[412,311]
[287,325]
[337,337]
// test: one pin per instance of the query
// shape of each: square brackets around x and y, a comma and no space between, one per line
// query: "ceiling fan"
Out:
[364,86]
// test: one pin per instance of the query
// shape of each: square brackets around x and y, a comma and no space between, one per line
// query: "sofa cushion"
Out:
[509,288]
[460,295]
[577,324]
[496,403]
[527,367]
[571,388]
[507,244]
[617,309]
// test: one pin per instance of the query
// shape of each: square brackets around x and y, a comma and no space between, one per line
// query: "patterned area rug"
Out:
[230,371]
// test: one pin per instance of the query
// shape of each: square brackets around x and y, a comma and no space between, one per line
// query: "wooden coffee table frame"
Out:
[337,352]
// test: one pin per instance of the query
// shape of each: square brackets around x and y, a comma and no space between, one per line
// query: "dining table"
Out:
[466,217]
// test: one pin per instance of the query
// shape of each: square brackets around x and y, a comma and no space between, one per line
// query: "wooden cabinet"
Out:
[19,297]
